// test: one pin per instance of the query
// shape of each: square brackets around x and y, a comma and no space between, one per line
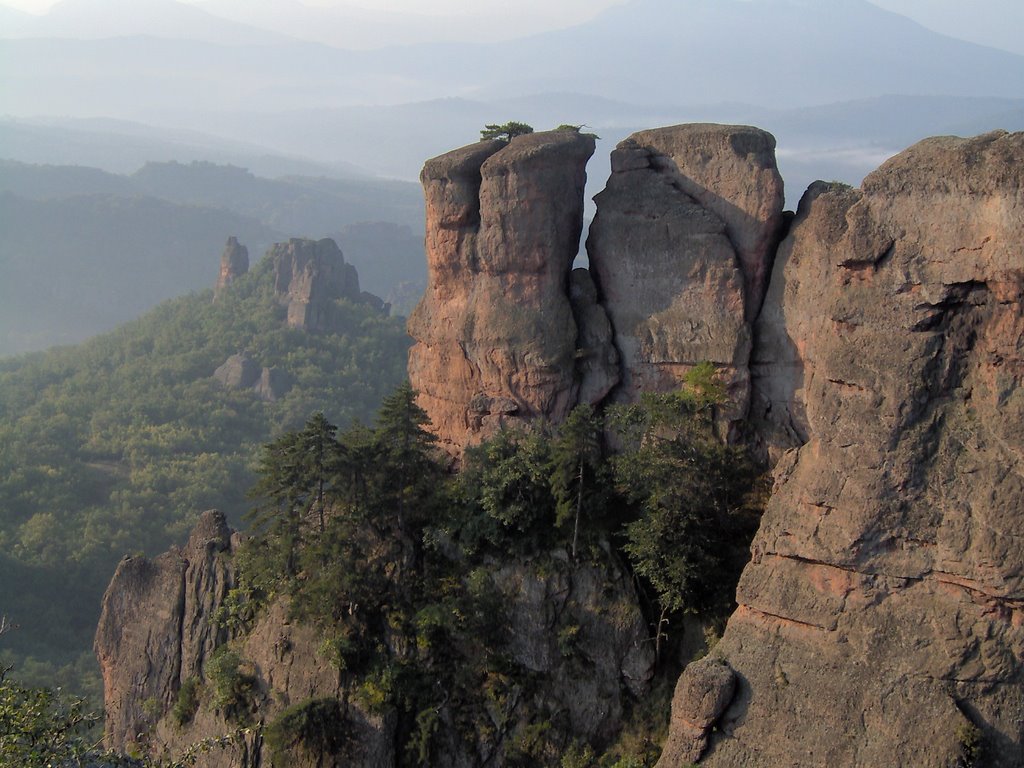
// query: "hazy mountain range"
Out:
[643,63]
[115,84]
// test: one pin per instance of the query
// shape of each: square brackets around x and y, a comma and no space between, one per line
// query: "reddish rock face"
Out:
[887,578]
[234,262]
[495,335]
[680,248]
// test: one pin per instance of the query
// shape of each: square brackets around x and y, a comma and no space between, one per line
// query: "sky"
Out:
[997,23]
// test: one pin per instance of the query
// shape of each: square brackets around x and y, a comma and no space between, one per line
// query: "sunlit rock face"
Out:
[882,614]
[680,248]
[495,334]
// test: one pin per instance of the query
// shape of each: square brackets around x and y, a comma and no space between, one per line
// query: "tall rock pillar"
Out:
[681,248]
[495,335]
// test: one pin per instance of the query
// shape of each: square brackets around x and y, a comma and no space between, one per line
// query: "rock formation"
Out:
[234,262]
[157,633]
[155,629]
[309,275]
[495,335]
[886,579]
[680,249]
[242,372]
[881,617]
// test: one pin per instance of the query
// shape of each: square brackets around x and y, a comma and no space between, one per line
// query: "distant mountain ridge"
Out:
[777,53]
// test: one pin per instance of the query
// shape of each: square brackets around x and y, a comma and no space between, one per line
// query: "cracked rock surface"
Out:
[883,608]
[495,334]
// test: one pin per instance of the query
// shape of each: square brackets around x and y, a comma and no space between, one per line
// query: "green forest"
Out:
[369,537]
[116,445]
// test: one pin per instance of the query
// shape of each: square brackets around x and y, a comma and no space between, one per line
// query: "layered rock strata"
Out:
[888,575]
[495,334]
[680,248]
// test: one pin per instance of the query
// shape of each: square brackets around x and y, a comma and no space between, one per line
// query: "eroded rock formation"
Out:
[881,618]
[234,262]
[155,629]
[309,275]
[888,578]
[680,248]
[158,633]
[495,335]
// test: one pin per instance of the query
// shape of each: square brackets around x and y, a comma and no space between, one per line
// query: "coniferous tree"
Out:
[575,460]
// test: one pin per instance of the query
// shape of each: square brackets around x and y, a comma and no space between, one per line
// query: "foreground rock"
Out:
[159,632]
[681,246]
[495,335]
[881,620]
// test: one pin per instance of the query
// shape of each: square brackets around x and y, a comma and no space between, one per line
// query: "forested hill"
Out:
[115,446]
[82,251]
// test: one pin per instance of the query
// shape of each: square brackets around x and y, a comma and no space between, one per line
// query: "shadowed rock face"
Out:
[495,335]
[680,248]
[155,630]
[158,632]
[308,276]
[888,575]
[234,262]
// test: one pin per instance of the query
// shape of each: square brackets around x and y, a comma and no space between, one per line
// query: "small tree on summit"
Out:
[505,132]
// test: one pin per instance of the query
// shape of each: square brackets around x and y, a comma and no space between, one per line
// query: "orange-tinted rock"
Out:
[883,609]
[495,335]
[234,262]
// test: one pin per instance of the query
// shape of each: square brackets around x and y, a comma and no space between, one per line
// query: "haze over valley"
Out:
[310,263]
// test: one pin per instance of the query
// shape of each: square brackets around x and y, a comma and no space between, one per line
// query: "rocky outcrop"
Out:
[886,579]
[574,630]
[234,262]
[702,694]
[309,276]
[680,248]
[242,372]
[495,335]
[155,628]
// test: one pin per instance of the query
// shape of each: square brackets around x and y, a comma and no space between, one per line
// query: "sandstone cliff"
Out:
[880,619]
[309,275]
[234,262]
[495,334]
[681,247]
[158,635]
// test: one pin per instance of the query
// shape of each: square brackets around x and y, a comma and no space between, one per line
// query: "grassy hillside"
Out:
[116,445]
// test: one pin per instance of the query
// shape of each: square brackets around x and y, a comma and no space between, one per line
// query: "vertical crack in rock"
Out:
[681,247]
[495,334]
[889,345]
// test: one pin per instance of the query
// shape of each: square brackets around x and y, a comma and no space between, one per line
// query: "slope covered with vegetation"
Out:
[115,446]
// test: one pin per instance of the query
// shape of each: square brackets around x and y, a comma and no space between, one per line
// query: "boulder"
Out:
[238,372]
[702,694]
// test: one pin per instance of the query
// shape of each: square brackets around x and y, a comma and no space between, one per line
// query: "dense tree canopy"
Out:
[116,445]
